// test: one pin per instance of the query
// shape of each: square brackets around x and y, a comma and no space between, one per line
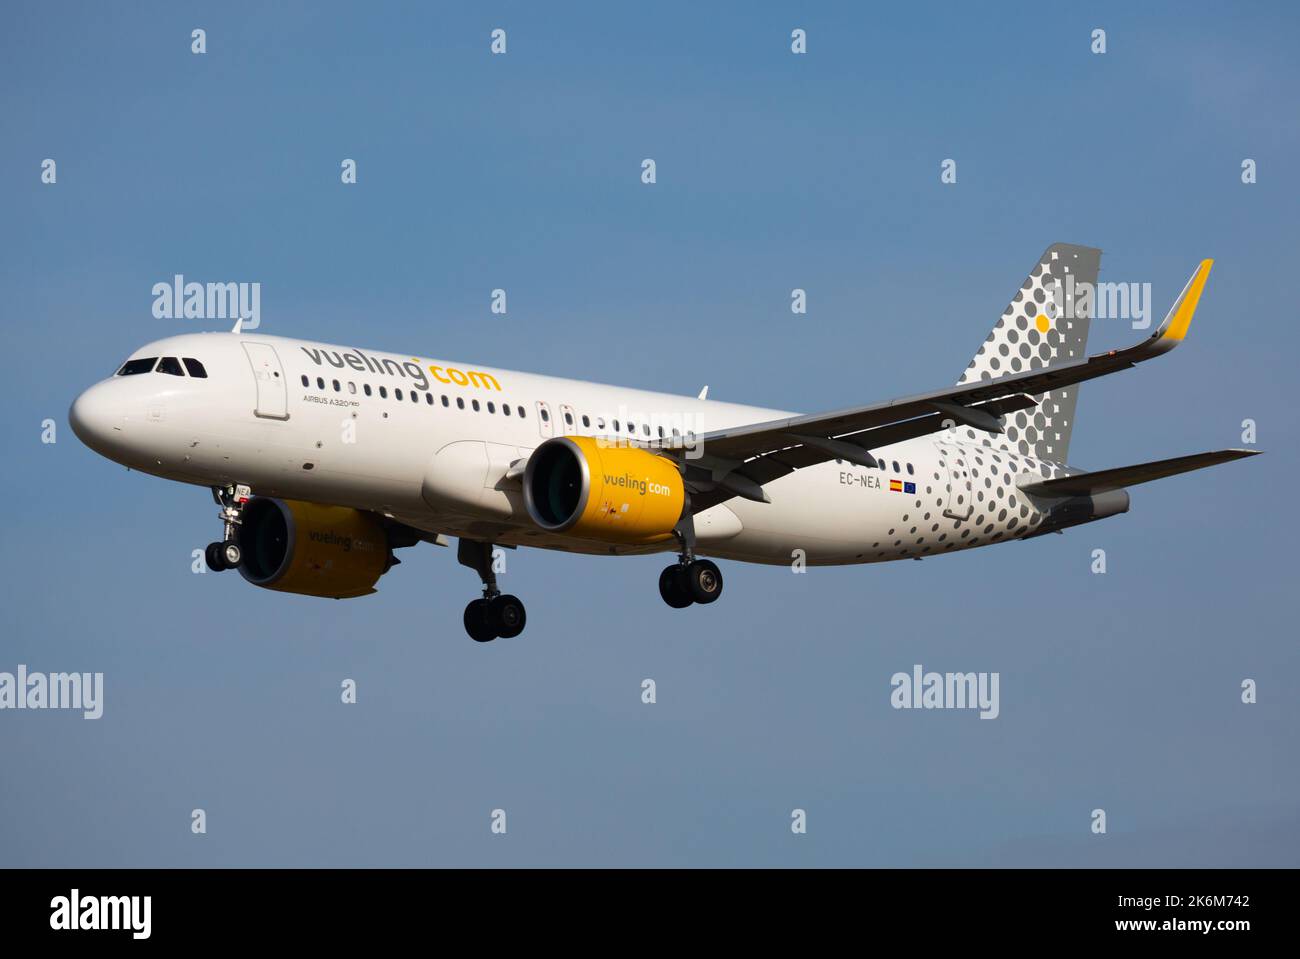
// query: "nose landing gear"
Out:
[689,580]
[497,614]
[227,554]
[223,556]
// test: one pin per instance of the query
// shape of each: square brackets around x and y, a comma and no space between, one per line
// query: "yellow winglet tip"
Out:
[1185,307]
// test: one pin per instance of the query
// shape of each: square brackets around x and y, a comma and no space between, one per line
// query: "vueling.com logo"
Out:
[642,486]
[406,369]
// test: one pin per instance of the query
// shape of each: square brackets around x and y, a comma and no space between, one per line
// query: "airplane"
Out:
[326,459]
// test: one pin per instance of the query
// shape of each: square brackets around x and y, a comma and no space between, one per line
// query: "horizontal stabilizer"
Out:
[1083,484]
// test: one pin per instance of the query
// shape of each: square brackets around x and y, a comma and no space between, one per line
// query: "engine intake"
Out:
[310,549]
[577,485]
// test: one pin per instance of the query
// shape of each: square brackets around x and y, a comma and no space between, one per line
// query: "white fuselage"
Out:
[307,421]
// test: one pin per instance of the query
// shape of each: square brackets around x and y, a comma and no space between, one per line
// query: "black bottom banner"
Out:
[333,907]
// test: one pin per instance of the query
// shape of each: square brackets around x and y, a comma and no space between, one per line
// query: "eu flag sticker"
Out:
[909,487]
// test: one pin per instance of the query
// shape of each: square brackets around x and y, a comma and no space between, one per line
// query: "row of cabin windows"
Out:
[167,364]
[491,406]
[600,425]
[884,466]
[506,408]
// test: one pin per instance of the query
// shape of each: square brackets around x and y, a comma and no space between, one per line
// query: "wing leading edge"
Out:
[761,452]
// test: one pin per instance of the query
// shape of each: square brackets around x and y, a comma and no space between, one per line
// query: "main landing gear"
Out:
[497,614]
[227,554]
[689,580]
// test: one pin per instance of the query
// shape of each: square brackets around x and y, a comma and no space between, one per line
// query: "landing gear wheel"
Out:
[212,555]
[477,623]
[506,615]
[231,554]
[704,580]
[672,587]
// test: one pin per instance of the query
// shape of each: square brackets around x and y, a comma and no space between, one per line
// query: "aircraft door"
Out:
[957,504]
[272,391]
[545,424]
[568,420]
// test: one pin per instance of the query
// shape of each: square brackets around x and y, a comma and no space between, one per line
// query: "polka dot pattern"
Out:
[970,500]
[969,495]
[1036,331]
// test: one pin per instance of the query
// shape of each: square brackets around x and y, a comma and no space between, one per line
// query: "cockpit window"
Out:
[195,368]
[142,365]
[171,366]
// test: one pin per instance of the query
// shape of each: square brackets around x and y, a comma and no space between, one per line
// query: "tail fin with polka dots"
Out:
[1040,327]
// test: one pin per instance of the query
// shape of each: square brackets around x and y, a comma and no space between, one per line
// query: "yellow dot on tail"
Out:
[1043,323]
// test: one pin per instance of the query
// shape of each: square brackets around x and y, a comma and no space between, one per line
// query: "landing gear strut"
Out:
[227,554]
[689,580]
[497,614]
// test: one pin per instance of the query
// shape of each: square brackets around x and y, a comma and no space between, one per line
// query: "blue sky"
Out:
[775,171]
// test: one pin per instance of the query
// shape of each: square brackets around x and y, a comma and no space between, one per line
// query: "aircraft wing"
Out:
[740,460]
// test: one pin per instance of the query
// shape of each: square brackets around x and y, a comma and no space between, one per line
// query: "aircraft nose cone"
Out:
[93,419]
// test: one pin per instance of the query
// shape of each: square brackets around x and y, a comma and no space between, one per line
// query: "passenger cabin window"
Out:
[460,402]
[135,367]
[195,368]
[491,407]
[546,417]
[586,421]
[383,392]
[171,366]
[366,388]
[428,398]
[474,403]
[305,381]
[320,382]
[568,418]
[520,411]
[397,392]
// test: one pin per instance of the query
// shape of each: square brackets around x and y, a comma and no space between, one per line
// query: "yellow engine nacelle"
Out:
[580,486]
[295,547]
